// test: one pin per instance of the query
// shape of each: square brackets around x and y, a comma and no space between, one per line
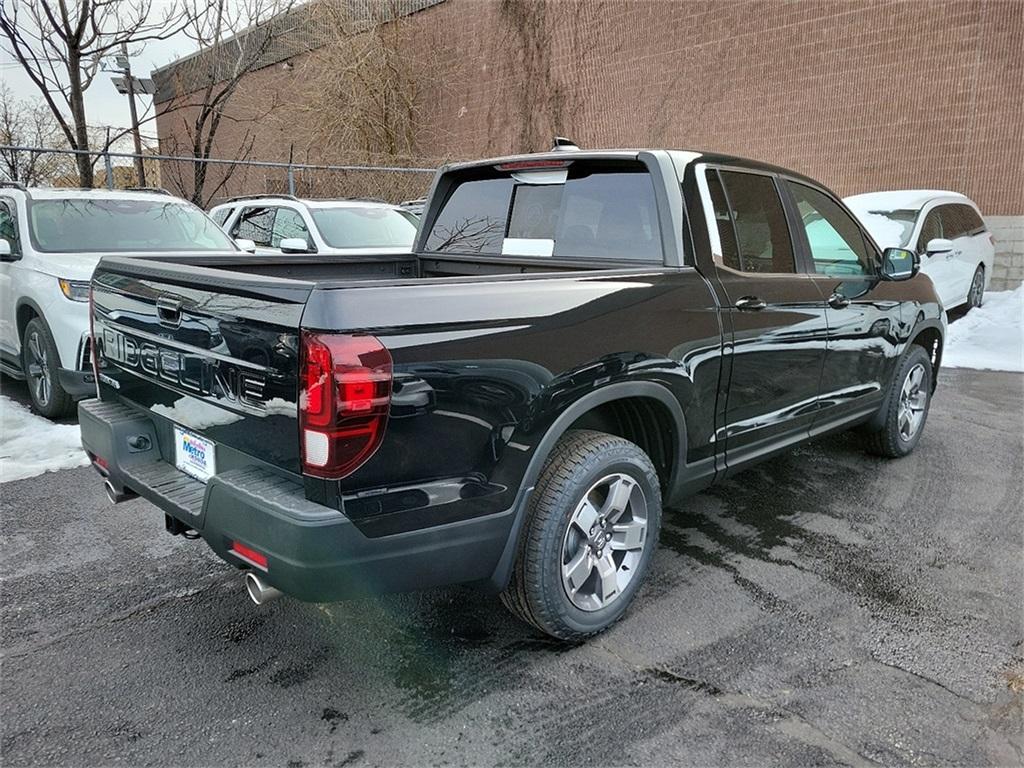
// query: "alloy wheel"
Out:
[604,542]
[913,400]
[39,370]
[977,289]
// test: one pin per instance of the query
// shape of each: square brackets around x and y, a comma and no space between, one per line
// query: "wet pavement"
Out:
[823,608]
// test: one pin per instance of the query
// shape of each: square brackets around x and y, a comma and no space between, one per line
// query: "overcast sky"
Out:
[103,104]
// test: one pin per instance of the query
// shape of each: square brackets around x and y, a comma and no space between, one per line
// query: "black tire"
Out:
[891,440]
[536,593]
[41,363]
[976,294]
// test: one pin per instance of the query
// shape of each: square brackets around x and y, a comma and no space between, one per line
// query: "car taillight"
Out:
[344,398]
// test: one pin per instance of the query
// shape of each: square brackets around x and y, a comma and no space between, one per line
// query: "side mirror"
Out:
[294,245]
[5,250]
[246,244]
[938,245]
[899,264]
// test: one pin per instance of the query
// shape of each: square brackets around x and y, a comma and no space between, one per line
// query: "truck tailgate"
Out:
[213,354]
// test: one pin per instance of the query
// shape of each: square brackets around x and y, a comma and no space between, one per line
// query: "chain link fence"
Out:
[209,181]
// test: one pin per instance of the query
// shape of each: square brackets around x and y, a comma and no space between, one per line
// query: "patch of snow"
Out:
[31,445]
[887,233]
[277,406]
[989,337]
[195,413]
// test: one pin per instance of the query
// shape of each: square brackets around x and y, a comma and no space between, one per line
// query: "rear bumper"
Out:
[314,553]
[77,383]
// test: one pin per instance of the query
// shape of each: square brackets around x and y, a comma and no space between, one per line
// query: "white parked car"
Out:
[945,228]
[50,242]
[286,224]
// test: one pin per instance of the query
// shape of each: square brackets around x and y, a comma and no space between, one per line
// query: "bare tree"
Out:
[60,44]
[234,39]
[28,124]
[365,97]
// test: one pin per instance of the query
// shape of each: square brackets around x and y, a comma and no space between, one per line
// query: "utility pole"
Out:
[140,168]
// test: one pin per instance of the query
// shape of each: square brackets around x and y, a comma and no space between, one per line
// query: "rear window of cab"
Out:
[588,210]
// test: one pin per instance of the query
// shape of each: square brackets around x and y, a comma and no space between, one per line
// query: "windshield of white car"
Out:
[899,222]
[77,225]
[352,227]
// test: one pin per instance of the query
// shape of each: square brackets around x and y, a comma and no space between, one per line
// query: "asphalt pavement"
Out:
[824,608]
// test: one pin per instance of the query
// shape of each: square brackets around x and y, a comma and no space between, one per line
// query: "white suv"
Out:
[945,228]
[286,224]
[50,242]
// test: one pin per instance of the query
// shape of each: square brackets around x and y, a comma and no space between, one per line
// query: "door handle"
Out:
[838,301]
[751,304]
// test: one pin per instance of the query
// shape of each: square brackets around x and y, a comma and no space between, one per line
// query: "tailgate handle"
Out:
[168,311]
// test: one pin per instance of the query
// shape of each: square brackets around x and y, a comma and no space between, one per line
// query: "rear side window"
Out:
[255,224]
[221,215]
[723,218]
[960,220]
[602,211]
[762,234]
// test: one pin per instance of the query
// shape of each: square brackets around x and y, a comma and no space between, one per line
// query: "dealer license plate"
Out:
[194,455]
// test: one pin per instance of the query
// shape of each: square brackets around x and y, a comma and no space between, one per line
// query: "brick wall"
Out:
[864,95]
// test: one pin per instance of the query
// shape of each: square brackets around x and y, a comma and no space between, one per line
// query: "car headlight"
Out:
[76,290]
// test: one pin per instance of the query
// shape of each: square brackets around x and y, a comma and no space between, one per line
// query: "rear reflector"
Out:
[343,403]
[249,555]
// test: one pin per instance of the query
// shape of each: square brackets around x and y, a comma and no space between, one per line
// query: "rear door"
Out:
[776,313]
[863,312]
[964,227]
[211,352]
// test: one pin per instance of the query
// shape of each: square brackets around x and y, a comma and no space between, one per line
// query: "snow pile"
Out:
[990,337]
[31,445]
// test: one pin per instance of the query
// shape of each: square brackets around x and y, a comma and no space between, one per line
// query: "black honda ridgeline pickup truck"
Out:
[578,340]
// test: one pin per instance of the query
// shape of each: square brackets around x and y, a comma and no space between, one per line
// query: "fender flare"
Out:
[877,421]
[618,391]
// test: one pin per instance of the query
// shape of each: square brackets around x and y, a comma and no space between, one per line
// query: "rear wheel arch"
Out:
[631,410]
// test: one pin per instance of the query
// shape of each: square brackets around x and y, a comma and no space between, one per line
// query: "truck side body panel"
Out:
[482,369]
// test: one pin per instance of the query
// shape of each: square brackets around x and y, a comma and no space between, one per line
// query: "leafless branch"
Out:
[60,45]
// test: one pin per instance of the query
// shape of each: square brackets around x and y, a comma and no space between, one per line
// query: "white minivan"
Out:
[945,228]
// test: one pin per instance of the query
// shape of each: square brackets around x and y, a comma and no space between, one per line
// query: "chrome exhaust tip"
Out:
[115,496]
[259,591]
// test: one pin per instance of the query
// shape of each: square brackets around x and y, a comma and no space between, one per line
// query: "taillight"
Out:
[345,394]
